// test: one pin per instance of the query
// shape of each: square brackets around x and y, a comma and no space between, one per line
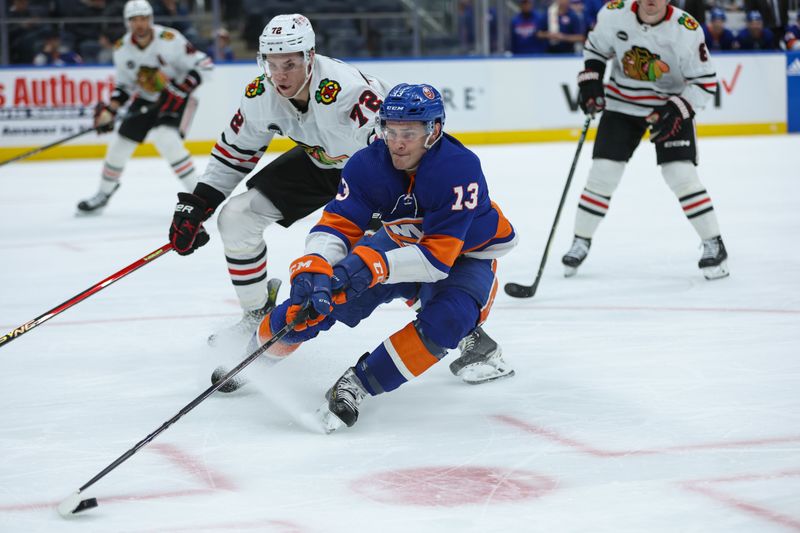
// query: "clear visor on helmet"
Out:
[404,131]
[283,63]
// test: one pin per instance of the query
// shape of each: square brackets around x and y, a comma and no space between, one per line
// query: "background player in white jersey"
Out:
[159,68]
[329,109]
[661,73]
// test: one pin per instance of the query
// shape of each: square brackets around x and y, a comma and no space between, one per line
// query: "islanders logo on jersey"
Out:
[688,22]
[327,92]
[318,153]
[404,231]
[255,87]
[641,64]
[615,4]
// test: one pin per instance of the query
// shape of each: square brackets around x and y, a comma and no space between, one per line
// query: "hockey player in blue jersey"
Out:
[439,243]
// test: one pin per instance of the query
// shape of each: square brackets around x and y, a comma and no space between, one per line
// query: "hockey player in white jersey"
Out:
[329,109]
[159,69]
[661,74]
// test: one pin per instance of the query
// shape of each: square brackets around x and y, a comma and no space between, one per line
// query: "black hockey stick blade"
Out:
[516,290]
[75,504]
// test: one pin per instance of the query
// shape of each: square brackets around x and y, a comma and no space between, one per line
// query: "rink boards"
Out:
[488,101]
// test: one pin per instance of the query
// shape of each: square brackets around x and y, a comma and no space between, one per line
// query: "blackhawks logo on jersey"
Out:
[318,153]
[255,87]
[327,92]
[615,4]
[167,35]
[641,64]
[151,79]
[688,22]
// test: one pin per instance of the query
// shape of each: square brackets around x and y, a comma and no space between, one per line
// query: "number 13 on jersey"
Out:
[460,203]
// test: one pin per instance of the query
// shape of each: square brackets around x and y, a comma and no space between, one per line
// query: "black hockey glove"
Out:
[173,97]
[104,118]
[591,92]
[186,232]
[666,121]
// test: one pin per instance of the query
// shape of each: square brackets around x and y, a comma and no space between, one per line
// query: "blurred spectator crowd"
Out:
[561,25]
[64,32]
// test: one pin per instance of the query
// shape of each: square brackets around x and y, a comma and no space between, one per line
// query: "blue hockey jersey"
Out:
[433,216]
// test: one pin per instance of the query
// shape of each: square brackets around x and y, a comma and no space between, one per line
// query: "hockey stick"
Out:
[26,327]
[64,140]
[526,291]
[75,502]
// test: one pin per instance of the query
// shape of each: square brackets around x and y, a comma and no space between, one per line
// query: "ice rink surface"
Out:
[646,398]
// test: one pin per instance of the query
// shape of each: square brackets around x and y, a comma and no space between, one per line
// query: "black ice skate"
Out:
[343,400]
[244,329]
[713,262]
[95,204]
[575,256]
[481,359]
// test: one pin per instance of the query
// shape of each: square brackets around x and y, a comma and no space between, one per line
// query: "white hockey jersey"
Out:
[146,71]
[651,62]
[339,121]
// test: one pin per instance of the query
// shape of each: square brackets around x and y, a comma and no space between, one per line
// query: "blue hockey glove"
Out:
[365,267]
[311,287]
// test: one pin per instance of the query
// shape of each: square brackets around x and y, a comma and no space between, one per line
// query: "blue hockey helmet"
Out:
[406,102]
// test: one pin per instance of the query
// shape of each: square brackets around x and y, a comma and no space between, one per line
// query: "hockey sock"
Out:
[241,222]
[402,357]
[118,154]
[185,171]
[248,273]
[700,211]
[681,176]
[592,208]
[170,145]
[604,176]
[280,349]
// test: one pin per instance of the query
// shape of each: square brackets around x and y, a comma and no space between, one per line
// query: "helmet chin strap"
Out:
[428,143]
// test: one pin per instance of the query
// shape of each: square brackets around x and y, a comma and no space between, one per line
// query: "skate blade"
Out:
[570,271]
[716,272]
[329,421]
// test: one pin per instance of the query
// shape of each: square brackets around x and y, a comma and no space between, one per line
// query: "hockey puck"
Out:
[230,386]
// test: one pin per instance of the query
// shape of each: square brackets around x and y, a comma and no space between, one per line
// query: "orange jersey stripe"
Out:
[487,308]
[504,229]
[443,247]
[342,225]
[411,350]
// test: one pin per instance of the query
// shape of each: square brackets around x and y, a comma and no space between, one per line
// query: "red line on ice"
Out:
[762,512]
[210,480]
[597,452]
